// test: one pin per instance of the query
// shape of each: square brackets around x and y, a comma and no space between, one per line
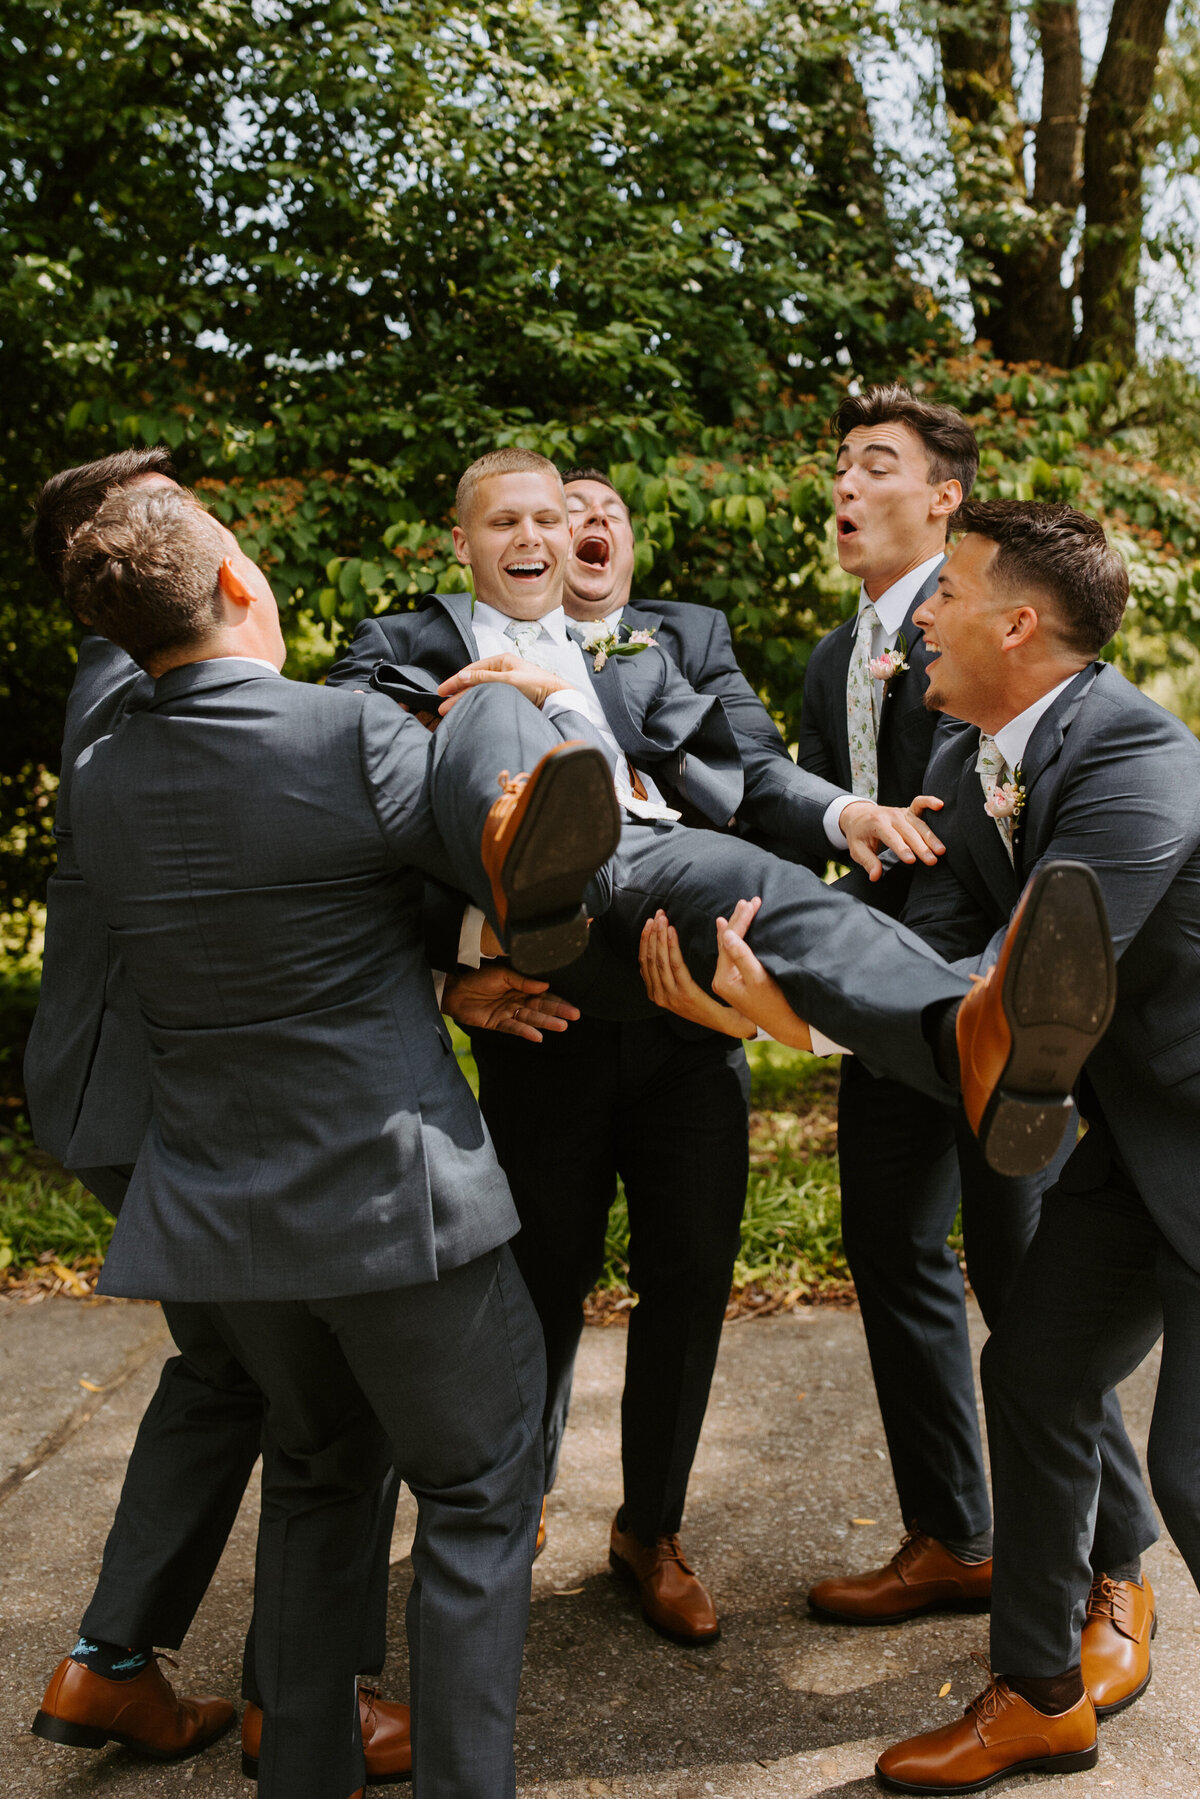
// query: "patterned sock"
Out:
[112,1660]
[1124,1571]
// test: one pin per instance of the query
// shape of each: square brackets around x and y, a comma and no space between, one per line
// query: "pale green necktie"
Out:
[861,721]
[994,771]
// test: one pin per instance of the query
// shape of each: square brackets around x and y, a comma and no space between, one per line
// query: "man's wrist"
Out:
[833,818]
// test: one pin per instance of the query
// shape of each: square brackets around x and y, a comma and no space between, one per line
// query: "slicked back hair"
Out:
[586,473]
[145,569]
[949,441]
[75,494]
[499,462]
[1056,551]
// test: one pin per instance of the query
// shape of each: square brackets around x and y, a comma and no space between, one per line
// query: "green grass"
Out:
[44,1216]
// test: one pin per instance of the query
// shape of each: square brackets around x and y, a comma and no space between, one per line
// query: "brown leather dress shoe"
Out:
[999,1734]
[922,1576]
[1121,1620]
[1025,1031]
[674,1600]
[543,840]
[540,1544]
[84,1710]
[386,1738]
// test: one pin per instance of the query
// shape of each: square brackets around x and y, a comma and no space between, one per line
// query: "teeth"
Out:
[526,568]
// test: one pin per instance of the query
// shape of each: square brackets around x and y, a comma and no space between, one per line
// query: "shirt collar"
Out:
[1012,739]
[892,606]
[258,661]
[554,622]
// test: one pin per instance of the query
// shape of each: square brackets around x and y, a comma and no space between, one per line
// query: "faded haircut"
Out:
[144,569]
[1060,552]
[499,462]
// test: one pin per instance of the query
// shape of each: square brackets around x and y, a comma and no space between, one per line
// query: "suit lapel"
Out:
[838,674]
[457,608]
[981,834]
[906,693]
[1041,753]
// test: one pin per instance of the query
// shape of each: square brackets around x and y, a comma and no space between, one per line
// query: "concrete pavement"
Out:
[792,1457]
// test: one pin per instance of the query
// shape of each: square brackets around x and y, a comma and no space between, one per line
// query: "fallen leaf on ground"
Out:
[864,1520]
[567,1592]
[944,1689]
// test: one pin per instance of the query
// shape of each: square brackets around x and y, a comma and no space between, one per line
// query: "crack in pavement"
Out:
[75,1420]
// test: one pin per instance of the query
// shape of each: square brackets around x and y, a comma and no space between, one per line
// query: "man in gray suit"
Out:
[315,1165]
[87,1080]
[1063,758]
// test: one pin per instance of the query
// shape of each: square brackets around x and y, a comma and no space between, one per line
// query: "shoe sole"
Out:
[947,1606]
[250,1770]
[89,1736]
[1049,1764]
[1063,942]
[1120,1705]
[689,1641]
[570,827]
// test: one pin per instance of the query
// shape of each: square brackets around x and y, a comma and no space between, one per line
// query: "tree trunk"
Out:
[1113,154]
[1021,305]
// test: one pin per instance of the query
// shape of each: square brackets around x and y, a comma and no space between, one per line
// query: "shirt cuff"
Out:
[825,1046]
[470,938]
[833,813]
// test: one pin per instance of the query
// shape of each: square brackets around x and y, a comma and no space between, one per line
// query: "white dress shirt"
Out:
[892,610]
[1012,739]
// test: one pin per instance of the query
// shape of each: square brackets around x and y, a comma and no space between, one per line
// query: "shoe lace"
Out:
[987,1705]
[160,1655]
[910,1546]
[1102,1599]
[671,1550]
[370,1694]
[511,785]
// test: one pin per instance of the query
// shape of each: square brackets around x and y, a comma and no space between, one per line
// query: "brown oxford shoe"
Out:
[84,1710]
[999,1734]
[543,840]
[922,1576]
[386,1738]
[1026,1029]
[1121,1620]
[540,1544]
[674,1600]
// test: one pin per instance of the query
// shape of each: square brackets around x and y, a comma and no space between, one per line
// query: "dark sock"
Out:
[113,1660]
[969,1549]
[939,1024]
[1051,1693]
[1123,1571]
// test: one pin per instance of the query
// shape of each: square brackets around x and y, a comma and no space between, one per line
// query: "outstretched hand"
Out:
[510,671]
[744,983]
[500,999]
[669,982]
[869,828]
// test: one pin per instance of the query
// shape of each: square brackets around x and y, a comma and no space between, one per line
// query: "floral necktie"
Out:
[993,772]
[861,720]
[525,634]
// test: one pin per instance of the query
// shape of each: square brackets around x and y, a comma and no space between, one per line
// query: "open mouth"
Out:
[846,527]
[594,551]
[526,571]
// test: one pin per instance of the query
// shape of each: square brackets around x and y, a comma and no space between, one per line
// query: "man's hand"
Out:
[500,999]
[742,980]
[670,985]
[535,683]
[869,828]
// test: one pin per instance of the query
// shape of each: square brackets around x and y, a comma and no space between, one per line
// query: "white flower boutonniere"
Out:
[1008,801]
[601,643]
[885,668]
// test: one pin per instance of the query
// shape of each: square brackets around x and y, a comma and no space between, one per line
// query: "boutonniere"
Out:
[1006,802]
[885,668]
[601,643]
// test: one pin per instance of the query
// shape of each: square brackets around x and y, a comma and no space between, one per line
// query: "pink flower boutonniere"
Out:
[601,643]
[885,668]
[1006,802]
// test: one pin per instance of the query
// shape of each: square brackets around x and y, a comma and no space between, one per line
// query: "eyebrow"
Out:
[871,450]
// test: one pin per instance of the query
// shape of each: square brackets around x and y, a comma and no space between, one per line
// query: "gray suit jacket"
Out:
[257,848]
[698,746]
[1113,780]
[87,1073]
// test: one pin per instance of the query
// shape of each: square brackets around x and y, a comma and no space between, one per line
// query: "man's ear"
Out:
[947,499]
[232,585]
[462,548]
[1020,628]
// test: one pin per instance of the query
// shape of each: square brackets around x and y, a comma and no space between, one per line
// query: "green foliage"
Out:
[42,1216]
